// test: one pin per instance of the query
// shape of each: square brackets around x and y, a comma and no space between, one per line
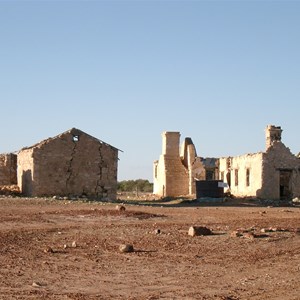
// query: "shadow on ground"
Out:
[230,202]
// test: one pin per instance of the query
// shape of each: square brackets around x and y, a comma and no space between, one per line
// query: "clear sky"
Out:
[125,71]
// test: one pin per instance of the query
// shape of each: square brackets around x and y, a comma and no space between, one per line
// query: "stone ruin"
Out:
[70,164]
[177,168]
[272,174]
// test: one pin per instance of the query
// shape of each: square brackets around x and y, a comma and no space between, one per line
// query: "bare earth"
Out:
[38,260]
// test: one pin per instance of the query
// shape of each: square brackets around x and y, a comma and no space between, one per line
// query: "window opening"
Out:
[209,175]
[236,177]
[247,177]
[222,176]
[75,138]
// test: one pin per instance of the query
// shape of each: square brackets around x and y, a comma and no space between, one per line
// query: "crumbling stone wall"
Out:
[8,169]
[72,163]
[273,135]
[242,173]
[175,173]
[193,164]
[26,171]
[171,178]
[279,158]
[273,174]
[211,168]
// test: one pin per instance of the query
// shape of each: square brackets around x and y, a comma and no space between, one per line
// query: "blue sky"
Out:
[125,71]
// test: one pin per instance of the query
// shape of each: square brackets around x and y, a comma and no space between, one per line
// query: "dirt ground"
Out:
[38,260]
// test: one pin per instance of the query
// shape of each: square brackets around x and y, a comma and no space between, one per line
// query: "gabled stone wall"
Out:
[8,169]
[278,158]
[273,174]
[72,163]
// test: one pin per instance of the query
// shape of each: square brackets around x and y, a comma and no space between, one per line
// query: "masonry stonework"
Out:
[177,168]
[169,173]
[8,169]
[281,173]
[273,174]
[73,163]
[243,174]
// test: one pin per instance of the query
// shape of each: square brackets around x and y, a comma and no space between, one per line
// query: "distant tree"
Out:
[140,185]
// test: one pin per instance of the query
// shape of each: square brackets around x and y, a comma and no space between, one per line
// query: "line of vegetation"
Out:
[139,185]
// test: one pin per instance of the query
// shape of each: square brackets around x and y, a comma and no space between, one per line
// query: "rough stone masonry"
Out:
[72,163]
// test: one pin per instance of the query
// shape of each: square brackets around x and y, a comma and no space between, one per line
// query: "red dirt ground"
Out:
[35,264]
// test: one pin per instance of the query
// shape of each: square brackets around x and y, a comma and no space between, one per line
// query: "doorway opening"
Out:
[284,184]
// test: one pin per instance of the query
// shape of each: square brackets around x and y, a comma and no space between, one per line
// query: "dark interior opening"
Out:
[284,184]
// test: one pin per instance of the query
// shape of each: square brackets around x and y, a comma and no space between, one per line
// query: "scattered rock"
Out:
[262,212]
[236,233]
[65,246]
[199,230]
[296,200]
[48,250]
[157,231]
[10,190]
[126,248]
[263,230]
[249,235]
[274,229]
[120,208]
[74,244]
[36,284]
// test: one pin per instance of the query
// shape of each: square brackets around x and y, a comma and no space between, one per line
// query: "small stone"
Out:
[120,208]
[236,233]
[65,246]
[199,230]
[157,231]
[74,244]
[48,250]
[126,248]
[249,235]
[36,284]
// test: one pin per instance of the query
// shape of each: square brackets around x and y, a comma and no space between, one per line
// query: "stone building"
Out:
[8,169]
[273,174]
[177,168]
[72,163]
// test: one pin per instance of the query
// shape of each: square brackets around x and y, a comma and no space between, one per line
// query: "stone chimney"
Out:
[170,143]
[273,134]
